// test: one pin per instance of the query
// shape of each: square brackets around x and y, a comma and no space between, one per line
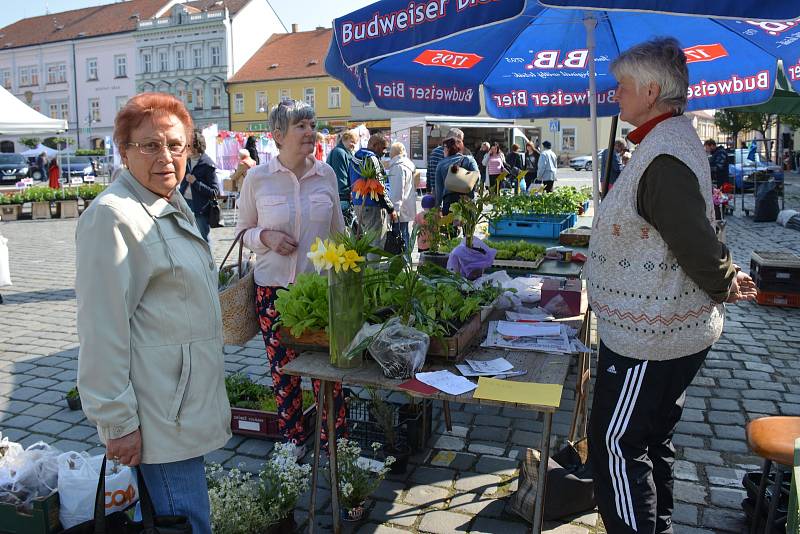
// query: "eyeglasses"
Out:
[153,147]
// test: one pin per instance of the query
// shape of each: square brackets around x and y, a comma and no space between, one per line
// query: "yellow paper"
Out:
[521,175]
[519,392]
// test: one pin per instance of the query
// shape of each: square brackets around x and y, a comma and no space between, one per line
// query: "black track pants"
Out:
[637,404]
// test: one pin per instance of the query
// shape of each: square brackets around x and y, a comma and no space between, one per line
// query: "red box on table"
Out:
[571,291]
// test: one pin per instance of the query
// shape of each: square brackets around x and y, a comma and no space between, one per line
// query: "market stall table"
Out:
[541,368]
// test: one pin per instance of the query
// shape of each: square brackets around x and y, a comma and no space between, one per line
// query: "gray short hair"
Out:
[659,61]
[454,133]
[288,113]
[397,149]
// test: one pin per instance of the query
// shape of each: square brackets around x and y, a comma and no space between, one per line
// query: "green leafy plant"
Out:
[384,413]
[90,191]
[470,212]
[516,250]
[433,225]
[304,304]
[562,200]
[244,393]
[73,393]
[30,142]
[358,477]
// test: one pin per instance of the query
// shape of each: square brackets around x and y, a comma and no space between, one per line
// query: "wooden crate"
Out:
[10,212]
[518,264]
[313,340]
[40,210]
[264,425]
[43,519]
[67,209]
[575,237]
[454,348]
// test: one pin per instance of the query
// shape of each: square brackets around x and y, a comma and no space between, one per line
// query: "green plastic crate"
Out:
[43,520]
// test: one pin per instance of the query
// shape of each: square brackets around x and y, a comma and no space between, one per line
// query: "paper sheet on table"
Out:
[512,329]
[557,345]
[496,366]
[529,314]
[445,381]
[519,392]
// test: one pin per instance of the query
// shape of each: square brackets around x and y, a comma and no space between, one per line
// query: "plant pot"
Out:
[67,209]
[401,455]
[355,514]
[287,525]
[11,212]
[86,202]
[436,258]
[40,210]
[74,403]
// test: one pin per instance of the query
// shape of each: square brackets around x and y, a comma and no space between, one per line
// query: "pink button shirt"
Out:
[272,198]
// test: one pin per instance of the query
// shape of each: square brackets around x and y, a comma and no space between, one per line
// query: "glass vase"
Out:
[345,315]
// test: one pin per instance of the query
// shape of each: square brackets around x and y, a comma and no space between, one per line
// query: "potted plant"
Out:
[303,309]
[88,193]
[40,199]
[254,408]
[73,399]
[67,203]
[11,206]
[384,415]
[242,503]
[433,225]
[358,478]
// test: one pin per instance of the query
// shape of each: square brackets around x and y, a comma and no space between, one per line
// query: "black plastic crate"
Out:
[775,271]
[412,421]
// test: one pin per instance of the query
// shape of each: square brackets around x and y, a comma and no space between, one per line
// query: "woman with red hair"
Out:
[151,364]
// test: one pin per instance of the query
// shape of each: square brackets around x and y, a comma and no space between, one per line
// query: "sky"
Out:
[307,13]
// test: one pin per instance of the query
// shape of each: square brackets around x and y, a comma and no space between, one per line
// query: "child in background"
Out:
[428,201]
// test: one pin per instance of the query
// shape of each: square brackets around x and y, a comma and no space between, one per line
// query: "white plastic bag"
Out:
[27,474]
[5,268]
[78,474]
[399,349]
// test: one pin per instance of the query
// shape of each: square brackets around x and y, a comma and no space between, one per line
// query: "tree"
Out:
[731,122]
[30,142]
[793,121]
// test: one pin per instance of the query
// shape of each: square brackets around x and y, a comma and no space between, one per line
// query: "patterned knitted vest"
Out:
[647,307]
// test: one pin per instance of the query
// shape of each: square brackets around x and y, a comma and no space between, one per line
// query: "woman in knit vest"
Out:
[658,278]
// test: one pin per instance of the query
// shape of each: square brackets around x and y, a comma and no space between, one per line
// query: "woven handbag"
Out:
[238,300]
[459,179]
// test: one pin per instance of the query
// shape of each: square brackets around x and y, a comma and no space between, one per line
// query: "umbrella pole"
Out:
[590,23]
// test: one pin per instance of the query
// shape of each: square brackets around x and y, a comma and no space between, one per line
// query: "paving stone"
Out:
[685,471]
[429,496]
[68,416]
[726,418]
[685,513]
[497,465]
[727,497]
[463,461]
[14,434]
[395,513]
[22,421]
[388,490]
[50,397]
[433,476]
[492,420]
[475,481]
[689,492]
[493,449]
[684,529]
[41,410]
[489,434]
[694,429]
[255,447]
[484,525]
[80,433]
[724,404]
[724,520]
[728,445]
[219,456]
[724,476]
[477,504]
[49,427]
[245,463]
[450,443]
[441,522]
[372,528]
[729,431]
[458,431]
[554,528]
[765,367]
[25,393]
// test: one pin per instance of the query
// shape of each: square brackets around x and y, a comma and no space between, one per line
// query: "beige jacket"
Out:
[149,325]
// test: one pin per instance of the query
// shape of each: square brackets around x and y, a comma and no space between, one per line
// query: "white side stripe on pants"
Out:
[616,429]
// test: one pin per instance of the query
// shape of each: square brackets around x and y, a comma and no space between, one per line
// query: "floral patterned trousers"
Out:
[288,394]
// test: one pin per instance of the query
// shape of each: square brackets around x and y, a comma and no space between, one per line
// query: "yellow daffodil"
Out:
[351,259]
[333,257]
[326,255]
[317,255]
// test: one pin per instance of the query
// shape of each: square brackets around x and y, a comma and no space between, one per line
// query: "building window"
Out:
[197,57]
[53,111]
[568,139]
[261,102]
[34,75]
[147,62]
[180,92]
[334,97]
[64,111]
[91,68]
[216,97]
[198,97]
[179,59]
[285,94]
[24,76]
[57,73]
[308,96]
[215,56]
[121,66]
[5,78]
[163,65]
[120,101]
[94,109]
[238,103]
[625,132]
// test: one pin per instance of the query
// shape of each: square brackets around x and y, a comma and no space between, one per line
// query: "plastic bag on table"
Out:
[471,262]
[27,474]
[399,349]
[78,474]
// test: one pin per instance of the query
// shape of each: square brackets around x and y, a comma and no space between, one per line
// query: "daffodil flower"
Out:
[351,259]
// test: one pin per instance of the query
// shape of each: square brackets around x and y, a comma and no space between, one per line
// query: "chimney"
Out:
[295,28]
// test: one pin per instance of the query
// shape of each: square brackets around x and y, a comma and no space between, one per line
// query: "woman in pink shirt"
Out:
[284,206]
[494,160]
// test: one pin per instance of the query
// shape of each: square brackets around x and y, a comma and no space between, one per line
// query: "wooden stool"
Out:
[772,438]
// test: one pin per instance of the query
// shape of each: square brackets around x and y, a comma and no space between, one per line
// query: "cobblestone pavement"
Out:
[751,371]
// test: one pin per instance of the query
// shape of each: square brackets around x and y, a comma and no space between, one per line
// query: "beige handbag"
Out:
[461,180]
[238,300]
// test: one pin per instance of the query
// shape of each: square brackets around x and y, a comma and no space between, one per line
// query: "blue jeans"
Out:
[179,488]
[203,226]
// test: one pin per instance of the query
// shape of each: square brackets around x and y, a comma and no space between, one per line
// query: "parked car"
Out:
[743,168]
[76,166]
[584,163]
[13,168]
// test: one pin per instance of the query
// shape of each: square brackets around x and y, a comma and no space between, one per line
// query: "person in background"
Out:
[718,160]
[494,160]
[453,155]
[284,206]
[319,150]
[479,160]
[53,174]
[251,147]
[339,159]
[245,164]
[657,279]
[547,168]
[625,158]
[436,156]
[372,215]
[423,238]
[42,163]
[616,163]
[199,186]
[515,160]
[151,366]
[531,162]
[401,188]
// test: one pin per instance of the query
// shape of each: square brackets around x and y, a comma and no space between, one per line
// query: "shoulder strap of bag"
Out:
[240,240]
[148,511]
[100,501]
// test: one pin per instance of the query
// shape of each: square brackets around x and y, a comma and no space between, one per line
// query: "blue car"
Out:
[743,168]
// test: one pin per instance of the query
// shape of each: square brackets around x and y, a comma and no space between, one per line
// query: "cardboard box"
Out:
[570,291]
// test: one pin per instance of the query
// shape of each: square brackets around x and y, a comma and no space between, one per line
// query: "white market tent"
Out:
[17,118]
[33,152]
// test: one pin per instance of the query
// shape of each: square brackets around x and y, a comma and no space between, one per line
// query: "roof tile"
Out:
[297,55]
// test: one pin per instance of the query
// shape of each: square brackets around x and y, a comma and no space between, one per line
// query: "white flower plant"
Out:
[245,504]
[358,476]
